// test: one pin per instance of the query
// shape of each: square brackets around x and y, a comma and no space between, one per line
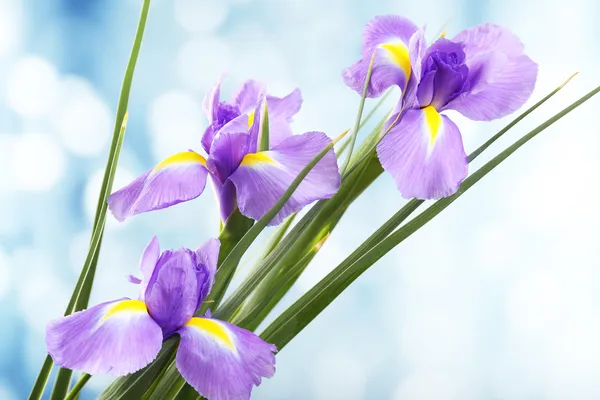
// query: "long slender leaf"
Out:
[361,106]
[272,289]
[81,293]
[301,313]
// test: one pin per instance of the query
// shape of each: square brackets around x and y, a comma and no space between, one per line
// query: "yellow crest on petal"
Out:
[181,158]
[250,119]
[213,329]
[262,157]
[397,52]
[133,306]
[433,120]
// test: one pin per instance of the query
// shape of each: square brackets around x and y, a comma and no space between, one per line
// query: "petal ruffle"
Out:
[501,76]
[173,292]
[424,154]
[249,95]
[179,178]
[117,337]
[222,361]
[389,36]
[262,178]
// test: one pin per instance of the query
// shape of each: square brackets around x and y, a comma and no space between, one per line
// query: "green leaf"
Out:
[263,140]
[361,106]
[301,313]
[81,293]
[230,263]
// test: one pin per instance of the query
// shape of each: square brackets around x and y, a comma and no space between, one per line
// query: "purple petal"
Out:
[226,120]
[207,256]
[173,292]
[148,261]
[116,337]
[222,361]
[262,178]
[226,153]
[501,77]
[249,95]
[179,178]
[211,101]
[281,111]
[389,37]
[424,154]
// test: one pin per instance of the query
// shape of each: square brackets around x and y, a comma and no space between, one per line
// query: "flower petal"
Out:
[117,337]
[207,257]
[179,178]
[222,361]
[226,153]
[389,37]
[211,101]
[424,154]
[262,178]
[501,77]
[173,292]
[148,261]
[281,111]
[249,95]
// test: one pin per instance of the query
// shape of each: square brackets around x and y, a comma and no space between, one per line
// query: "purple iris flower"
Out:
[243,177]
[220,360]
[482,73]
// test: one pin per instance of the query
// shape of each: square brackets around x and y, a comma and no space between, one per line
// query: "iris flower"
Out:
[482,73]
[220,360]
[242,176]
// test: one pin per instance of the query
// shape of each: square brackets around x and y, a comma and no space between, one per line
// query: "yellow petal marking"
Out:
[214,329]
[250,119]
[126,306]
[181,158]
[433,119]
[398,54]
[262,157]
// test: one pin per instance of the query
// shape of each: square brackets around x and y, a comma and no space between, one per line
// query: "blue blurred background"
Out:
[497,298]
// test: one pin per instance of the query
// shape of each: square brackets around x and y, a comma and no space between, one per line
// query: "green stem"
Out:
[78,386]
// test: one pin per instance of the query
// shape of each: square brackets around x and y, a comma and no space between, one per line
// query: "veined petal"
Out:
[222,361]
[211,101]
[179,178]
[226,153]
[207,256]
[501,76]
[389,37]
[424,154]
[249,95]
[117,337]
[262,178]
[173,292]
[281,112]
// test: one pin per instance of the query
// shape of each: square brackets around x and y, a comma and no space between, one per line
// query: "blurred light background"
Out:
[498,298]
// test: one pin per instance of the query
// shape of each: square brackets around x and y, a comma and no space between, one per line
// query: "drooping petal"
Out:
[226,153]
[207,256]
[179,178]
[117,337]
[262,178]
[222,361]
[424,154]
[389,37]
[249,95]
[173,290]
[501,76]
